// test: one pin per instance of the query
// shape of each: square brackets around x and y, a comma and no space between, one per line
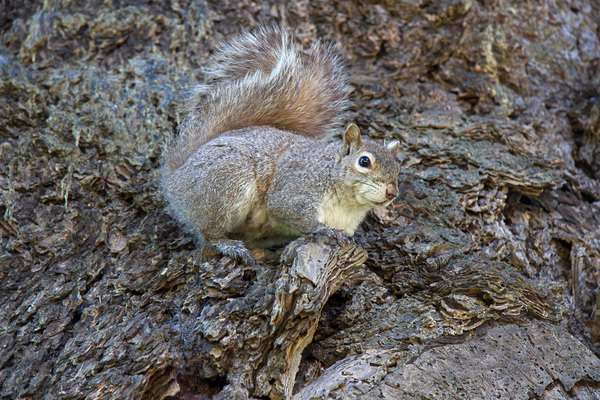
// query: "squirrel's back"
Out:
[263,78]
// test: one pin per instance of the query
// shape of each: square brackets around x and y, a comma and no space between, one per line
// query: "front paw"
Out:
[342,237]
[339,235]
[323,236]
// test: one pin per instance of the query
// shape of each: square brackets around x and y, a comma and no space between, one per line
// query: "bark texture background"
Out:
[481,281]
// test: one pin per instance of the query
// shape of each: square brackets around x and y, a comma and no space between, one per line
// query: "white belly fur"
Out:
[341,216]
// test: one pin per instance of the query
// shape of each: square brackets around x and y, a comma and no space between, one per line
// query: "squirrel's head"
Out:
[370,170]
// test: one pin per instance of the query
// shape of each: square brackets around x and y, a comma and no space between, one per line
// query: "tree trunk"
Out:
[480,281]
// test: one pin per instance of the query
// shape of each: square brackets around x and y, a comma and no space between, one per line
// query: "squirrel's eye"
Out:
[364,162]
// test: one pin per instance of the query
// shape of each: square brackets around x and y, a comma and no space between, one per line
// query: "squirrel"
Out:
[250,166]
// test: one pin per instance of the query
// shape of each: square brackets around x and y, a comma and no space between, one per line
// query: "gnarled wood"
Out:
[258,338]
[495,231]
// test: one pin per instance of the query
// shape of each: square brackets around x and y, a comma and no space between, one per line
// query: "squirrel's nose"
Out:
[391,191]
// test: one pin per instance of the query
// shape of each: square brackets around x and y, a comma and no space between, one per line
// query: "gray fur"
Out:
[264,78]
[247,167]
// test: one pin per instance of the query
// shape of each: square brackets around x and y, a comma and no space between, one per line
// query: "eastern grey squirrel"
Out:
[248,165]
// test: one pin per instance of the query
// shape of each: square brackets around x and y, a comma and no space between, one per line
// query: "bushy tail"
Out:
[264,78]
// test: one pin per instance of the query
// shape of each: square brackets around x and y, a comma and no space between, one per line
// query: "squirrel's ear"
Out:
[351,140]
[393,146]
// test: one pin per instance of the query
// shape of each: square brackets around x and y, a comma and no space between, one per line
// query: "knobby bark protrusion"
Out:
[255,342]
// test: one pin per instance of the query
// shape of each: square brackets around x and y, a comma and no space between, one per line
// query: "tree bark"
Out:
[479,281]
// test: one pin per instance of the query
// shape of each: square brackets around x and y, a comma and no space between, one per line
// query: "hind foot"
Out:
[235,250]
